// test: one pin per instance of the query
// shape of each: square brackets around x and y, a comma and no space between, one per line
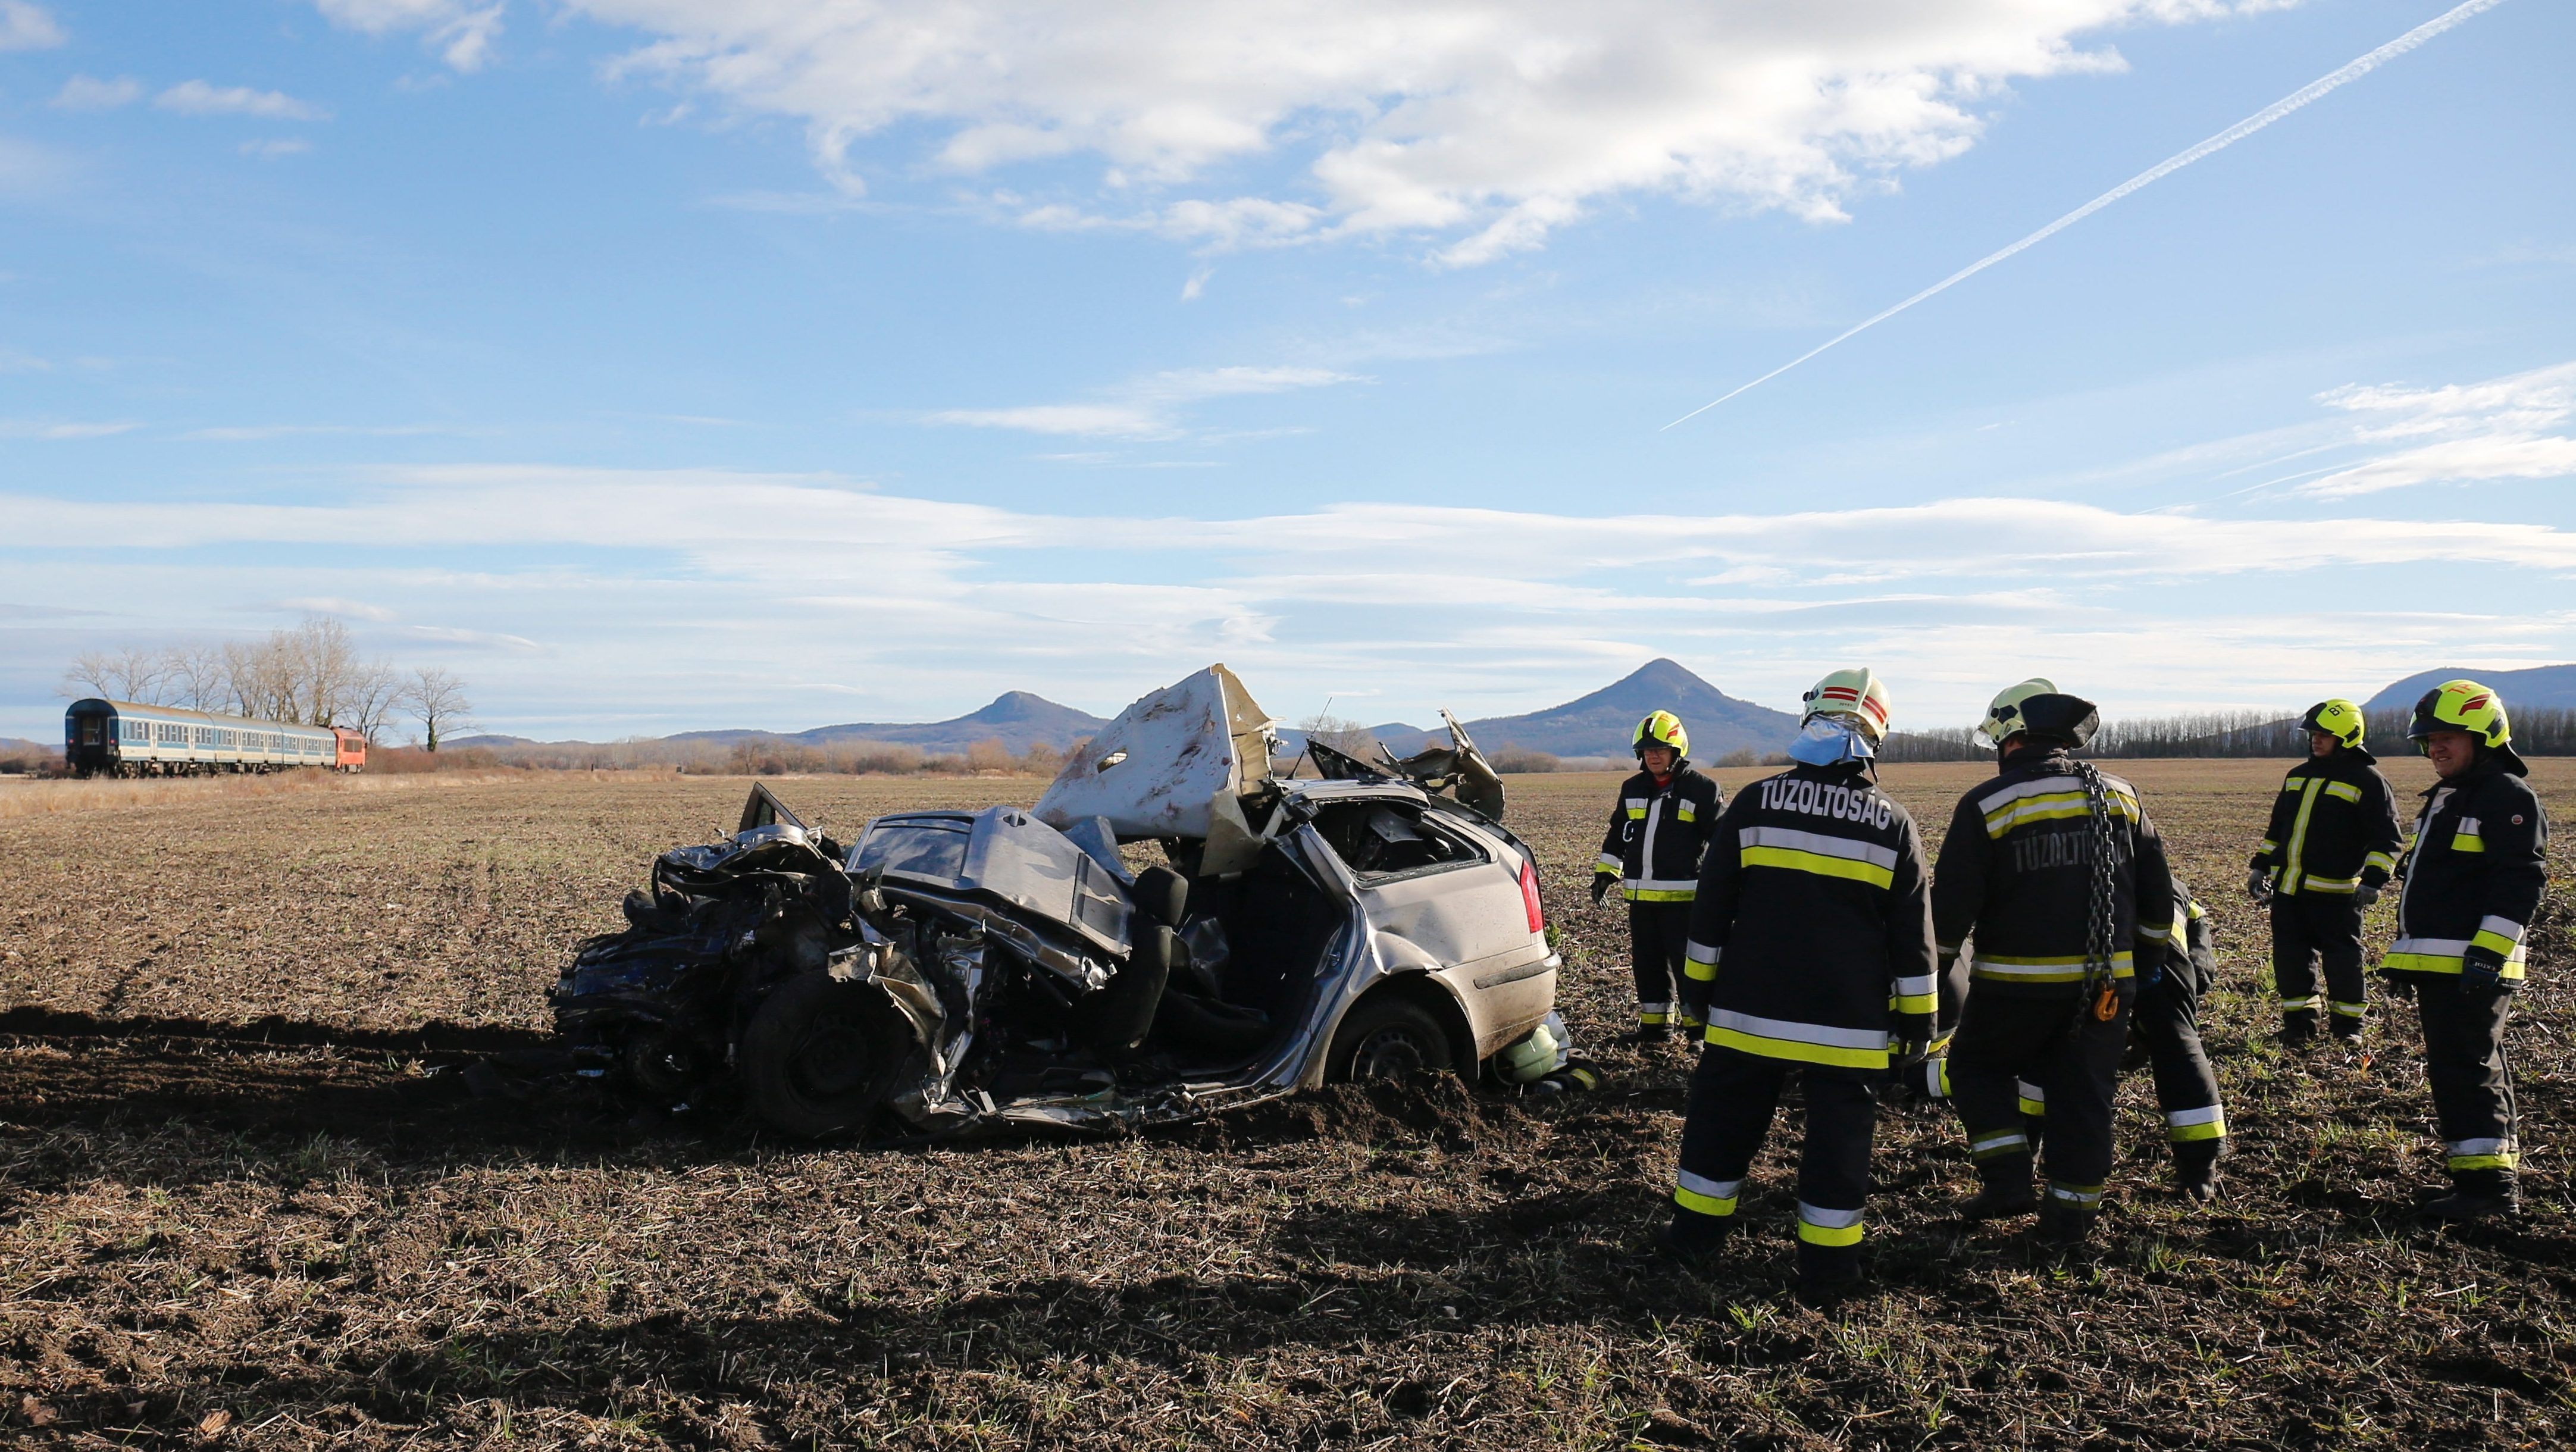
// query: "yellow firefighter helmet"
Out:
[2338,718]
[2003,713]
[2461,706]
[1662,728]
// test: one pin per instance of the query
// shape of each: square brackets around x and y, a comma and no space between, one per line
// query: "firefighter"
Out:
[2165,1024]
[1658,828]
[2061,876]
[2472,881]
[2330,849]
[1810,953]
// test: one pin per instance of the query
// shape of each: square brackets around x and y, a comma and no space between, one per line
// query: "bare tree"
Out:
[1345,736]
[369,694]
[437,697]
[195,676]
[130,673]
[256,675]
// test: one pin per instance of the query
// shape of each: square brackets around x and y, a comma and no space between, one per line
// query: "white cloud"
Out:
[2469,433]
[88,93]
[1148,409]
[200,98]
[665,591]
[336,605]
[26,26]
[1487,123]
[27,428]
[461,31]
[275,147]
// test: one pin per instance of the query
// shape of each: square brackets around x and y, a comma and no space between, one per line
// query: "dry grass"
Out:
[205,1240]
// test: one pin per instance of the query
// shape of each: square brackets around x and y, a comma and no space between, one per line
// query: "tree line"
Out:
[307,675]
[2544,731]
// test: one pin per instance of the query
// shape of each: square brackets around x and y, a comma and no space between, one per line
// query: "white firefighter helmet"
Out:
[1858,694]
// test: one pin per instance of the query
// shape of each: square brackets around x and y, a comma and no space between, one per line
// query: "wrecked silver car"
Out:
[959,969]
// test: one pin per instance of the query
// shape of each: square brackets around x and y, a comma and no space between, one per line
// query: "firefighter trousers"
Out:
[1658,932]
[1733,1099]
[2167,1017]
[2057,1046]
[2310,928]
[2472,1082]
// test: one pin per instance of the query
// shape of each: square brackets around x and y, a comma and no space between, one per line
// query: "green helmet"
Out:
[2037,708]
[2003,714]
[1661,728]
[1533,1057]
[2338,718]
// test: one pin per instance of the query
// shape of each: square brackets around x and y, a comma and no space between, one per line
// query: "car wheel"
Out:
[662,1068]
[816,1059]
[1387,1037]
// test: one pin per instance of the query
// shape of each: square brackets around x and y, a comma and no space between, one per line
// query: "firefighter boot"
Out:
[2475,1195]
[2196,1168]
[2066,1224]
[2298,1028]
[1692,1237]
[2007,1189]
[1827,1274]
[2346,1027]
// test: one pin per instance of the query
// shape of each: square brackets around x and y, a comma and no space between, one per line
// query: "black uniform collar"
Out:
[2054,754]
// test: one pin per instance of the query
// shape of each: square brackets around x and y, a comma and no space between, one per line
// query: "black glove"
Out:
[1906,1053]
[2364,895]
[2484,968]
[2258,884]
[1602,882]
[2397,985]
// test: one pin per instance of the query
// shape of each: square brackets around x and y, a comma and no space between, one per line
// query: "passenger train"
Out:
[120,738]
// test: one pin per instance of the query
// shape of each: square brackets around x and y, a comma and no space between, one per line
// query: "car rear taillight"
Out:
[1529,896]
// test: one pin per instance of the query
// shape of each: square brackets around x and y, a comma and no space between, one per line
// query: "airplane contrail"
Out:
[2224,139]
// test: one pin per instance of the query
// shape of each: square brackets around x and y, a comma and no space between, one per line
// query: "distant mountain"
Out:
[1397,737]
[1605,722]
[2539,688]
[1017,719]
[20,746]
[462,742]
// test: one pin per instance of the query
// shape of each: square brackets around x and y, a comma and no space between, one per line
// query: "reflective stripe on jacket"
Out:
[1657,834]
[2334,826]
[1812,935]
[2016,871]
[2474,875]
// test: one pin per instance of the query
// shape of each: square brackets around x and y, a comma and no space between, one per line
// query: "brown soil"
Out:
[248,1197]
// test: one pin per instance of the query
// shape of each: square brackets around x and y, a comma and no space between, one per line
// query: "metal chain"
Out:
[2104,845]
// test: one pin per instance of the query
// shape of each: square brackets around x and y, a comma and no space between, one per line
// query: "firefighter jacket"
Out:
[2016,870]
[2474,875]
[2334,826]
[1657,834]
[1812,935]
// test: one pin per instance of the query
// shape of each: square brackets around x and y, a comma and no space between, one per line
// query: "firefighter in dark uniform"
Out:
[1658,828]
[2472,881]
[2331,847]
[2164,1025]
[2058,872]
[1811,953]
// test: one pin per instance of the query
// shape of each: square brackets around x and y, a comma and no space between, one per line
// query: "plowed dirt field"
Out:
[246,1198]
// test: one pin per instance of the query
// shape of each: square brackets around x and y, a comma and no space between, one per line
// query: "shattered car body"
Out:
[1007,966]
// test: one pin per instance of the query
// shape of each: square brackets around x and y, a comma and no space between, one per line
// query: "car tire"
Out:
[1387,1037]
[817,1059]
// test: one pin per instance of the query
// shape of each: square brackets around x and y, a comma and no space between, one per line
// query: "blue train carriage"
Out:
[121,738]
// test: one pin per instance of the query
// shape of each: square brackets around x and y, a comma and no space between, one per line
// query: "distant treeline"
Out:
[2544,732]
[758,756]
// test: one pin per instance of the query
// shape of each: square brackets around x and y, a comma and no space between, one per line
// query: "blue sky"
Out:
[659,364]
